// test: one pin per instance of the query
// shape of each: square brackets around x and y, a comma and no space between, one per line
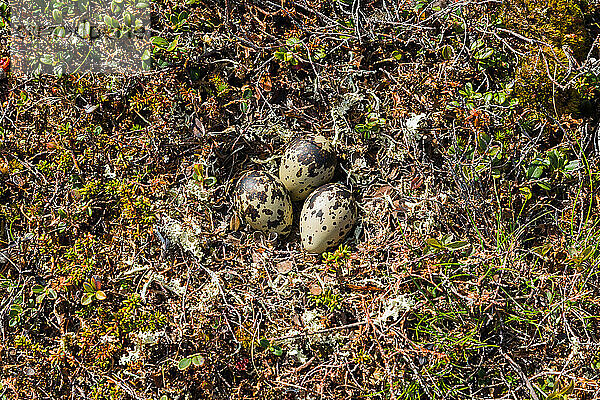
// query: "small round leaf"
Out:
[184,363]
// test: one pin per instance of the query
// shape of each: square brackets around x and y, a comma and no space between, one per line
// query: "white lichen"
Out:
[141,341]
[411,128]
[190,238]
[395,306]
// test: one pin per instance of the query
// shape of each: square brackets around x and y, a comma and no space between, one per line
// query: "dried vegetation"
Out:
[468,131]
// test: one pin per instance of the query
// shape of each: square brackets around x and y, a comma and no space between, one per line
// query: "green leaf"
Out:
[535,171]
[562,394]
[434,243]
[526,191]
[469,87]
[553,158]
[115,23]
[264,343]
[115,7]
[184,363]
[88,288]
[58,70]
[447,52]
[587,252]
[16,308]
[197,360]
[476,44]
[545,185]
[183,16]
[484,53]
[100,295]
[57,16]
[84,29]
[276,350]
[52,295]
[572,165]
[59,31]
[46,59]
[280,55]
[396,55]
[87,299]
[37,289]
[159,42]
[293,41]
[146,55]
[500,98]
[172,46]
[247,94]
[210,181]
[461,244]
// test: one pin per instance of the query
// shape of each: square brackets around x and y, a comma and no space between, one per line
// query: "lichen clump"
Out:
[556,36]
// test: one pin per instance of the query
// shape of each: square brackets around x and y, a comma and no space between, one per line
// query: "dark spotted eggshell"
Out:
[328,214]
[307,163]
[262,201]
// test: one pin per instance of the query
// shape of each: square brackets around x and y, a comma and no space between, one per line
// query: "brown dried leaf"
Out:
[315,289]
[285,266]
[382,191]
[265,83]
[234,222]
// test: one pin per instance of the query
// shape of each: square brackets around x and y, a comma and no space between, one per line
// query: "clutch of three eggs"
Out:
[329,211]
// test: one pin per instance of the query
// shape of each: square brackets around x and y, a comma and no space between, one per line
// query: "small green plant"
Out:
[486,56]
[20,310]
[274,349]
[579,258]
[179,21]
[549,167]
[560,392]
[196,360]
[91,291]
[290,52]
[445,245]
[335,259]
[472,99]
[16,312]
[295,50]
[164,44]
[373,124]
[43,292]
[328,300]
[200,177]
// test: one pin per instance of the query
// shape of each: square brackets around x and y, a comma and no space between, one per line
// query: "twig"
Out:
[336,328]
[519,372]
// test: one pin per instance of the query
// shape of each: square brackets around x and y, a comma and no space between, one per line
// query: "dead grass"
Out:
[137,195]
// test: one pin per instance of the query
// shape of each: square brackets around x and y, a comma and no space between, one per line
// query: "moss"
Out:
[556,28]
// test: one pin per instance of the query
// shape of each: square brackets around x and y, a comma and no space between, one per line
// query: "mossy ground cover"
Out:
[467,131]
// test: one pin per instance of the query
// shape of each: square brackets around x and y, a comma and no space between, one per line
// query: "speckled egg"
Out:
[307,163]
[262,201]
[328,214]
